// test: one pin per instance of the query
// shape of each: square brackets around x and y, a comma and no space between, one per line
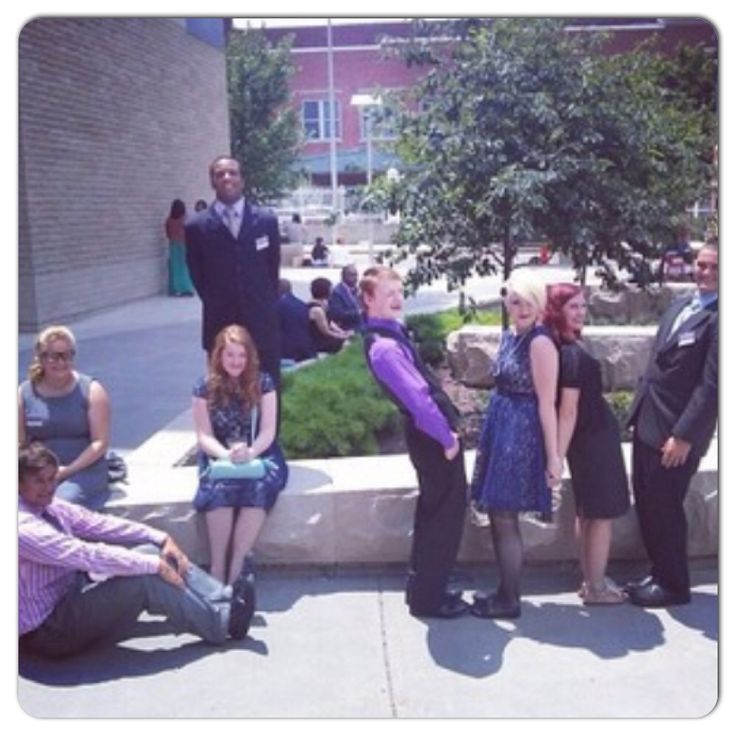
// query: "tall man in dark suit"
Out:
[233,258]
[674,415]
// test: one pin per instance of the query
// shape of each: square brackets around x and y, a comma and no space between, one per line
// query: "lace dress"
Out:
[233,421]
[510,465]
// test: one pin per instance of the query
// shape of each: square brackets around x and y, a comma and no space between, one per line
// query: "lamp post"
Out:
[363,101]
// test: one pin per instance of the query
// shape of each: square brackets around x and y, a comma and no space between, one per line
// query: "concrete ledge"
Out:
[360,509]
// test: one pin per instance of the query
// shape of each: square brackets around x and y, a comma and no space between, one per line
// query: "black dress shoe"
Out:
[242,606]
[632,585]
[490,606]
[451,608]
[655,596]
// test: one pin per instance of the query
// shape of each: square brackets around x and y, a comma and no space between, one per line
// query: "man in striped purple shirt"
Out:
[430,427]
[85,576]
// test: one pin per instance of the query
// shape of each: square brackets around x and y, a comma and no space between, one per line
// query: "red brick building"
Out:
[361,66]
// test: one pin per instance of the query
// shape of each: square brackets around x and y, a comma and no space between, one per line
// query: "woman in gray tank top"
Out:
[69,412]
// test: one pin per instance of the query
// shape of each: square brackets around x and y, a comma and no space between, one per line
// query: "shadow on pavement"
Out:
[110,661]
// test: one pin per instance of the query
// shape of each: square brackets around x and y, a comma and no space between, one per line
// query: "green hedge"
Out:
[334,408]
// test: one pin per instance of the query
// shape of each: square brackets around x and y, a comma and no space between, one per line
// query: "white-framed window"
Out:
[382,122]
[317,120]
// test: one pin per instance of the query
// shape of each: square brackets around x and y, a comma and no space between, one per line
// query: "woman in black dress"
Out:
[588,436]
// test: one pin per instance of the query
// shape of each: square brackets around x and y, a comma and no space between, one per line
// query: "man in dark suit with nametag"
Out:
[233,254]
[674,415]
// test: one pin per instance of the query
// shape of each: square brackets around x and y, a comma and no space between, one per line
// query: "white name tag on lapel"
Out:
[262,242]
[686,339]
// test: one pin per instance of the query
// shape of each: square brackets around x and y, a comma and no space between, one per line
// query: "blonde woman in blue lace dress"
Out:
[517,463]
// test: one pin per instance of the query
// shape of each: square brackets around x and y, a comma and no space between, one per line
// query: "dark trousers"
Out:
[95,611]
[438,520]
[659,494]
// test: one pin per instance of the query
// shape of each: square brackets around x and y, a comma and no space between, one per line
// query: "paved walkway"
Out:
[329,644]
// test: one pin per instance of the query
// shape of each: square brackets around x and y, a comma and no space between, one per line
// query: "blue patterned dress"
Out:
[233,421]
[510,464]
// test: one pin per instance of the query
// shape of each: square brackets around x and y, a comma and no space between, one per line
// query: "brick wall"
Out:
[118,116]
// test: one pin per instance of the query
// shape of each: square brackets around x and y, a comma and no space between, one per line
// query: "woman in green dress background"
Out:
[180,283]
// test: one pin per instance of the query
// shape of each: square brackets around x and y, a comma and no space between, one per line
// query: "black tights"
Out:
[509,550]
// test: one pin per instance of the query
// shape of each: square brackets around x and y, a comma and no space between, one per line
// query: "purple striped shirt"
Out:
[49,558]
[394,365]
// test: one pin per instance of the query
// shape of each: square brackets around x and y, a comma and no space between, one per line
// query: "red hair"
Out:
[220,387]
[554,318]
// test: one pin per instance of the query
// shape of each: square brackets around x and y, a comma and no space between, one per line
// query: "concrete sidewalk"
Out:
[340,644]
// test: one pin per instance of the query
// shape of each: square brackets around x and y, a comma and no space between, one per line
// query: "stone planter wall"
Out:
[623,347]
[622,351]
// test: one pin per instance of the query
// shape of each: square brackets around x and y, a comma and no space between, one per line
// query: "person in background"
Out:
[70,413]
[320,253]
[235,416]
[344,307]
[179,282]
[674,415]
[200,205]
[233,253]
[517,463]
[296,336]
[435,450]
[84,577]
[588,435]
[292,254]
[326,336]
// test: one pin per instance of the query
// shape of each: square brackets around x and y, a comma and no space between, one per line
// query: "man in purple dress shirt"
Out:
[430,426]
[80,579]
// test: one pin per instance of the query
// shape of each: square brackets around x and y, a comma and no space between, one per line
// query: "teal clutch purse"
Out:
[225,469]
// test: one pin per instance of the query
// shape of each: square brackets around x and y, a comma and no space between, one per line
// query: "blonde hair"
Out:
[45,337]
[528,286]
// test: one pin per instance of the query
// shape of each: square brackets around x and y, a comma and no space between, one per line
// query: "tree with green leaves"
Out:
[526,131]
[265,134]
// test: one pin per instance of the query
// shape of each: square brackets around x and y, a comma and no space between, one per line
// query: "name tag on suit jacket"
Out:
[262,242]
[686,339]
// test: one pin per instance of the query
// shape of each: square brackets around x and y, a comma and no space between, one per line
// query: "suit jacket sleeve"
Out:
[194,257]
[702,408]
[274,250]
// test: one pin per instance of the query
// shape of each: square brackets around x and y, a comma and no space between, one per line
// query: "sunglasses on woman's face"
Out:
[65,356]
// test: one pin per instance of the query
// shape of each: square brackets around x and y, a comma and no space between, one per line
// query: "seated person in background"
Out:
[344,305]
[296,338]
[320,253]
[81,582]
[70,413]
[235,415]
[326,336]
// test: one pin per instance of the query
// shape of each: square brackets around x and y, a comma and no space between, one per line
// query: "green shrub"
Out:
[334,408]
[620,403]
